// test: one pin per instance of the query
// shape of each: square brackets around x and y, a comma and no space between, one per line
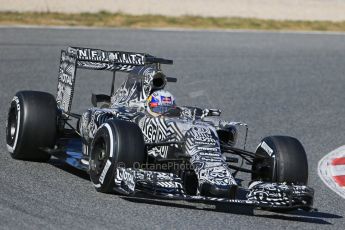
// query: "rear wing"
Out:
[95,59]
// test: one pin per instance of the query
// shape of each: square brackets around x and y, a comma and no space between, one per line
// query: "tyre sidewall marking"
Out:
[11,149]
[263,145]
[269,149]
[111,141]
[108,163]
[104,172]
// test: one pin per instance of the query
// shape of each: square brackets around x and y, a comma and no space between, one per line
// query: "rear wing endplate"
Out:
[95,59]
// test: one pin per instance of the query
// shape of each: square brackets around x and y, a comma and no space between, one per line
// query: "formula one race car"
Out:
[137,140]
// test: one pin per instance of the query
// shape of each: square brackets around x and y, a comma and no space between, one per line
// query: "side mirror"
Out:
[211,112]
[214,112]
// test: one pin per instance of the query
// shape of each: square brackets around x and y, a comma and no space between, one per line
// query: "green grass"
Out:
[121,20]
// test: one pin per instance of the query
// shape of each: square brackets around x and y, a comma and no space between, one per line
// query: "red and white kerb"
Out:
[331,170]
[338,171]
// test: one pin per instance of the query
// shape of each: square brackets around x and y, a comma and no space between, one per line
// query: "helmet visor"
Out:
[161,109]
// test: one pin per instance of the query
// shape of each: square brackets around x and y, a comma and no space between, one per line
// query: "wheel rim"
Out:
[99,156]
[264,168]
[12,124]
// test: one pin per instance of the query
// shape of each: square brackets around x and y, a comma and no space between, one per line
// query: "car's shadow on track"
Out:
[315,217]
[69,169]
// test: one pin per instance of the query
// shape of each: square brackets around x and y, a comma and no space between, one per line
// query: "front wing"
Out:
[272,196]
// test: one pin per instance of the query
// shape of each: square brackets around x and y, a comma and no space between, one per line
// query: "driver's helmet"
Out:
[160,102]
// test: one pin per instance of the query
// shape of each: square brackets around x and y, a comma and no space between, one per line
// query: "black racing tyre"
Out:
[116,143]
[31,125]
[281,159]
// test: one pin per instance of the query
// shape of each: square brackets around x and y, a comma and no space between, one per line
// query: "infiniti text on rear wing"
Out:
[95,59]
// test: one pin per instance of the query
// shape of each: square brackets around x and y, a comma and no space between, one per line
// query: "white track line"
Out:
[326,171]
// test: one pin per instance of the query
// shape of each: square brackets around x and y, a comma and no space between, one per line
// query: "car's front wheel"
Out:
[117,143]
[280,159]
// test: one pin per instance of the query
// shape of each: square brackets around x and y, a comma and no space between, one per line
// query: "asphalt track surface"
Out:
[279,83]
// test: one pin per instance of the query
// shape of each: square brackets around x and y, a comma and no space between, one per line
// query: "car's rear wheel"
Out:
[281,159]
[117,143]
[31,125]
